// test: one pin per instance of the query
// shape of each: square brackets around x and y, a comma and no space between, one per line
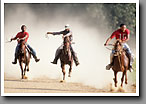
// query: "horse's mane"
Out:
[118,43]
[66,39]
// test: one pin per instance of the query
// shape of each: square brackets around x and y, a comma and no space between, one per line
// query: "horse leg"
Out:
[122,79]
[70,70]
[63,71]
[21,66]
[126,77]
[115,79]
[25,71]
[28,61]
[28,65]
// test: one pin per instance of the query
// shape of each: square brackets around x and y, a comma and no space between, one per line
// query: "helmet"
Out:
[67,26]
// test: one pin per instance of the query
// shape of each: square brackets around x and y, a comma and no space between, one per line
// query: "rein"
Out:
[108,48]
[109,45]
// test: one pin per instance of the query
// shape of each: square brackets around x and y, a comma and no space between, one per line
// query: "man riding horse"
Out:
[23,35]
[66,32]
[122,34]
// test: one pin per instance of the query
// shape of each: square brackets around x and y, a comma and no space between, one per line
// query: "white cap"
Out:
[67,26]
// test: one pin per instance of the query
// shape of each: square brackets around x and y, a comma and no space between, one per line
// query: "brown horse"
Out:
[66,57]
[24,57]
[120,62]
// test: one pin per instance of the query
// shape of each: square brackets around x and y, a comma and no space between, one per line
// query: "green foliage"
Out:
[122,13]
[115,14]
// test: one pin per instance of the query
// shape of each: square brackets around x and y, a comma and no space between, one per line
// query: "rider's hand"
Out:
[49,32]
[105,44]
[18,39]
[11,39]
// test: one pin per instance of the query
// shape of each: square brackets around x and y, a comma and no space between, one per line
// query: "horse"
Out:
[120,62]
[24,56]
[66,57]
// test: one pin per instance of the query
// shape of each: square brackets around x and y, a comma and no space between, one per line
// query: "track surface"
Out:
[14,85]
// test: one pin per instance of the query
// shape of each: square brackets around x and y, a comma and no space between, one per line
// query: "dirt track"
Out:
[13,85]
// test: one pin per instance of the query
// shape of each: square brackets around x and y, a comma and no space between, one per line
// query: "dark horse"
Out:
[120,62]
[66,57]
[23,57]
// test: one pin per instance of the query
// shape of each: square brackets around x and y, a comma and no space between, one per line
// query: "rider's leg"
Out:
[57,55]
[74,56]
[111,61]
[128,51]
[16,54]
[33,53]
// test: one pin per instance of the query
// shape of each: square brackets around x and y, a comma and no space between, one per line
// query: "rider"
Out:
[66,32]
[123,34]
[23,35]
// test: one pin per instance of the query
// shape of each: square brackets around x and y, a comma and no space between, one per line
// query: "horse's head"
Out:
[22,47]
[66,43]
[118,46]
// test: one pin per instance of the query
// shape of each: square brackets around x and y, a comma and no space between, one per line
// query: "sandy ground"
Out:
[14,85]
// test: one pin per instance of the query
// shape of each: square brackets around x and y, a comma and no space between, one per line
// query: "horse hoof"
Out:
[25,77]
[27,70]
[126,82]
[69,75]
[115,85]
[120,89]
[62,81]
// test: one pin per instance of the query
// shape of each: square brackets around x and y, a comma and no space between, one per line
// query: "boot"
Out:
[77,63]
[36,59]
[111,62]
[75,59]
[56,59]
[109,66]
[130,62]
[130,68]
[15,61]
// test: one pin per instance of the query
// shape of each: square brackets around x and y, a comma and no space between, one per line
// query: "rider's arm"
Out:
[107,41]
[55,33]
[13,38]
[24,37]
[69,34]
[127,38]
[110,38]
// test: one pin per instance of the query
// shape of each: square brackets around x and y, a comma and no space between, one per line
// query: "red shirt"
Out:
[22,35]
[120,34]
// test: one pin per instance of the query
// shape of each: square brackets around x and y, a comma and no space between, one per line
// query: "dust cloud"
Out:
[41,18]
